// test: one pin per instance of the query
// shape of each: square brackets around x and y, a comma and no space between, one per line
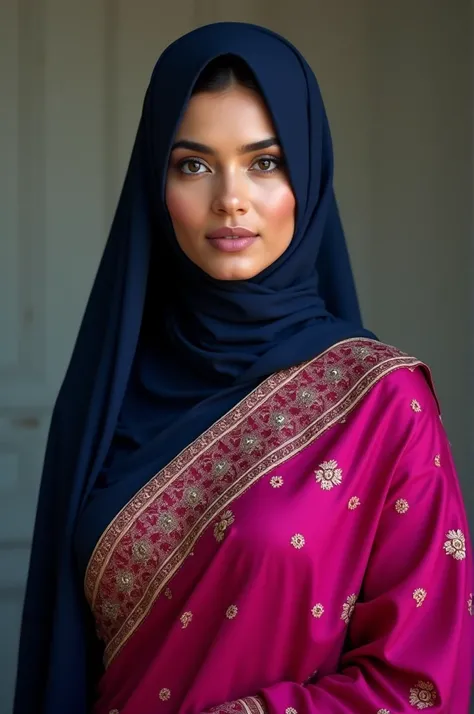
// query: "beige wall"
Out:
[422,197]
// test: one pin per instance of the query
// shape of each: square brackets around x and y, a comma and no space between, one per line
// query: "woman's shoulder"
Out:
[353,369]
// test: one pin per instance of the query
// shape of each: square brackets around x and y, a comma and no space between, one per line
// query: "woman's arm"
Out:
[409,645]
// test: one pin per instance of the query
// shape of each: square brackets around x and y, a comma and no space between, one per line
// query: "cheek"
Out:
[186,208]
[279,207]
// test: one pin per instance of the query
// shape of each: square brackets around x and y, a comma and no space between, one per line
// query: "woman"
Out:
[256,497]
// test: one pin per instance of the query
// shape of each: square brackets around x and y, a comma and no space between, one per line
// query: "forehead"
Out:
[218,116]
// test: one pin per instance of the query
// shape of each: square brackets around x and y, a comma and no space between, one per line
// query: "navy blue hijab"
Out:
[150,372]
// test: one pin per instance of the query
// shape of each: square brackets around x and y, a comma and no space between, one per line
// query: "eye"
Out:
[192,167]
[266,164]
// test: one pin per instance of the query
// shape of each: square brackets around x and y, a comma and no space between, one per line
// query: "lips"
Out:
[232,239]
[232,232]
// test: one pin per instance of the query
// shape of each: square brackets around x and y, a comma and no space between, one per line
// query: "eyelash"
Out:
[274,159]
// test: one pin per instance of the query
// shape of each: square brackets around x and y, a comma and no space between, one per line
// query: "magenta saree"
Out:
[308,553]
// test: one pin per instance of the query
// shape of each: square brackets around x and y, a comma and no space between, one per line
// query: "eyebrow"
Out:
[246,149]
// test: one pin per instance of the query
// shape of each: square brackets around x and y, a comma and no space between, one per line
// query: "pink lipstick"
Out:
[232,239]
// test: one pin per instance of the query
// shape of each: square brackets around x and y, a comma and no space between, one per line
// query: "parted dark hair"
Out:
[224,72]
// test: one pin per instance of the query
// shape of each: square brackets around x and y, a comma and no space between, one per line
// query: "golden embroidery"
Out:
[298,541]
[402,506]
[168,593]
[348,608]
[456,544]
[361,352]
[165,694]
[232,612]
[249,443]
[193,496]
[250,705]
[416,406]
[110,610]
[220,468]
[186,618]
[276,481]
[142,549]
[354,503]
[423,695]
[215,463]
[469,605]
[335,375]
[419,596]
[279,420]
[167,523]
[437,460]
[124,582]
[318,610]
[305,397]
[253,705]
[220,528]
[328,475]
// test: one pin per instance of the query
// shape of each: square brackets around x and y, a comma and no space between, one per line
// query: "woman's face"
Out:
[226,176]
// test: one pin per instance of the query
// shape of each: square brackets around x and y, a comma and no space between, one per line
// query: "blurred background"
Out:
[397,78]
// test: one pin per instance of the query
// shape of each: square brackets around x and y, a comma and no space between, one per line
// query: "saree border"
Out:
[252,705]
[389,358]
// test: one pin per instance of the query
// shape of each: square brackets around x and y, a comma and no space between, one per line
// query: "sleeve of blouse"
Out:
[409,645]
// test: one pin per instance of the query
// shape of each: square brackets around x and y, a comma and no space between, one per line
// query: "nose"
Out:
[231,196]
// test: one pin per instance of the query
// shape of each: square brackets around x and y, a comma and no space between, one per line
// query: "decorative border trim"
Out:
[374,362]
[249,705]
[164,478]
[252,705]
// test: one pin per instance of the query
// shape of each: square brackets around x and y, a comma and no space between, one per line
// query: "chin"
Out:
[228,273]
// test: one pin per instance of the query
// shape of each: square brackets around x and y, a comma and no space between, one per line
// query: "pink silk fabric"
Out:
[307,554]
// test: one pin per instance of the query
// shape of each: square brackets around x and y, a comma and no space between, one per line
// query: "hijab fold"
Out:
[151,370]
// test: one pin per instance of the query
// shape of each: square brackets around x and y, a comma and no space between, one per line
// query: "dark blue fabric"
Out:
[151,370]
